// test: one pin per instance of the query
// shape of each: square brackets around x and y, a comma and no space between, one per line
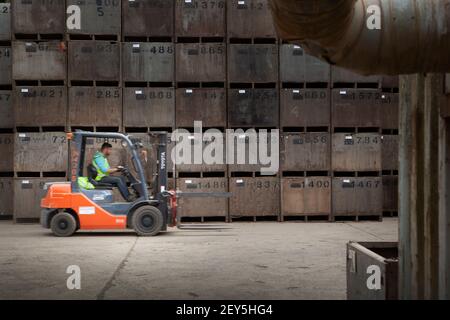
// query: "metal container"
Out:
[40,106]
[297,66]
[147,18]
[361,196]
[98,17]
[253,108]
[6,199]
[95,106]
[208,105]
[390,111]
[149,107]
[7,152]
[305,151]
[28,193]
[5,22]
[200,62]
[362,258]
[40,152]
[202,207]
[44,60]
[305,107]
[6,110]
[356,107]
[390,193]
[264,193]
[38,17]
[341,75]
[252,63]
[5,65]
[356,152]
[306,196]
[94,60]
[389,152]
[249,19]
[200,18]
[151,62]
[245,153]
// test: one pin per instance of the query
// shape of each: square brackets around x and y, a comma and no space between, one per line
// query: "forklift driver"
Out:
[100,162]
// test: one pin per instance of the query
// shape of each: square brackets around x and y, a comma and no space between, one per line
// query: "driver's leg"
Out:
[119,183]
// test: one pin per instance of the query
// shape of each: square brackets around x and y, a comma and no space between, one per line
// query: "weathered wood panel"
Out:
[149,107]
[249,19]
[44,60]
[356,152]
[40,152]
[5,65]
[6,196]
[203,207]
[6,152]
[306,196]
[38,16]
[264,193]
[208,105]
[389,152]
[5,21]
[306,151]
[197,18]
[95,106]
[6,110]
[40,106]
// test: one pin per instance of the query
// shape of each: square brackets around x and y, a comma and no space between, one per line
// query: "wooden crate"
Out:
[208,105]
[149,107]
[305,151]
[94,60]
[390,193]
[357,196]
[5,21]
[45,60]
[306,196]
[305,107]
[252,63]
[95,106]
[6,152]
[200,62]
[6,196]
[249,19]
[147,18]
[6,110]
[38,17]
[389,152]
[202,207]
[40,152]
[200,18]
[5,65]
[40,106]
[254,196]
[99,17]
[28,193]
[356,152]
[148,62]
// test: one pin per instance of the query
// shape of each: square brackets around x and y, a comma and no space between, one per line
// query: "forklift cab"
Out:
[69,207]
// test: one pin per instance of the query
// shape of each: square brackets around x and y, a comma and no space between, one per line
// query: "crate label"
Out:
[188,181]
[136,45]
[241,91]
[342,92]
[24,90]
[22,135]
[295,91]
[138,92]
[352,258]
[86,210]
[189,91]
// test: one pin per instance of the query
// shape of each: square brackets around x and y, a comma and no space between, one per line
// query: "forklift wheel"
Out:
[147,221]
[63,224]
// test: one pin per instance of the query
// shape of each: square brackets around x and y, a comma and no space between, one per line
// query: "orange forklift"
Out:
[67,207]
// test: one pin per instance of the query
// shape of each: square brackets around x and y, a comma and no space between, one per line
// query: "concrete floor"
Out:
[248,261]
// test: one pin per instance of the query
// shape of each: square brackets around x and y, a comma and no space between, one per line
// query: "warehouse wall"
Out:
[138,66]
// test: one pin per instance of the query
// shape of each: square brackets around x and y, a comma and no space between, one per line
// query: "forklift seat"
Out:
[92,175]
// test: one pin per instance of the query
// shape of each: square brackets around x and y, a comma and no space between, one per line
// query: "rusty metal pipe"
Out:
[414,36]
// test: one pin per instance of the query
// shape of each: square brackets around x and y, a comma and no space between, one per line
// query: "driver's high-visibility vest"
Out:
[101,164]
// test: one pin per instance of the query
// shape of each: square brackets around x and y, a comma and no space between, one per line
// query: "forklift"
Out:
[67,208]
